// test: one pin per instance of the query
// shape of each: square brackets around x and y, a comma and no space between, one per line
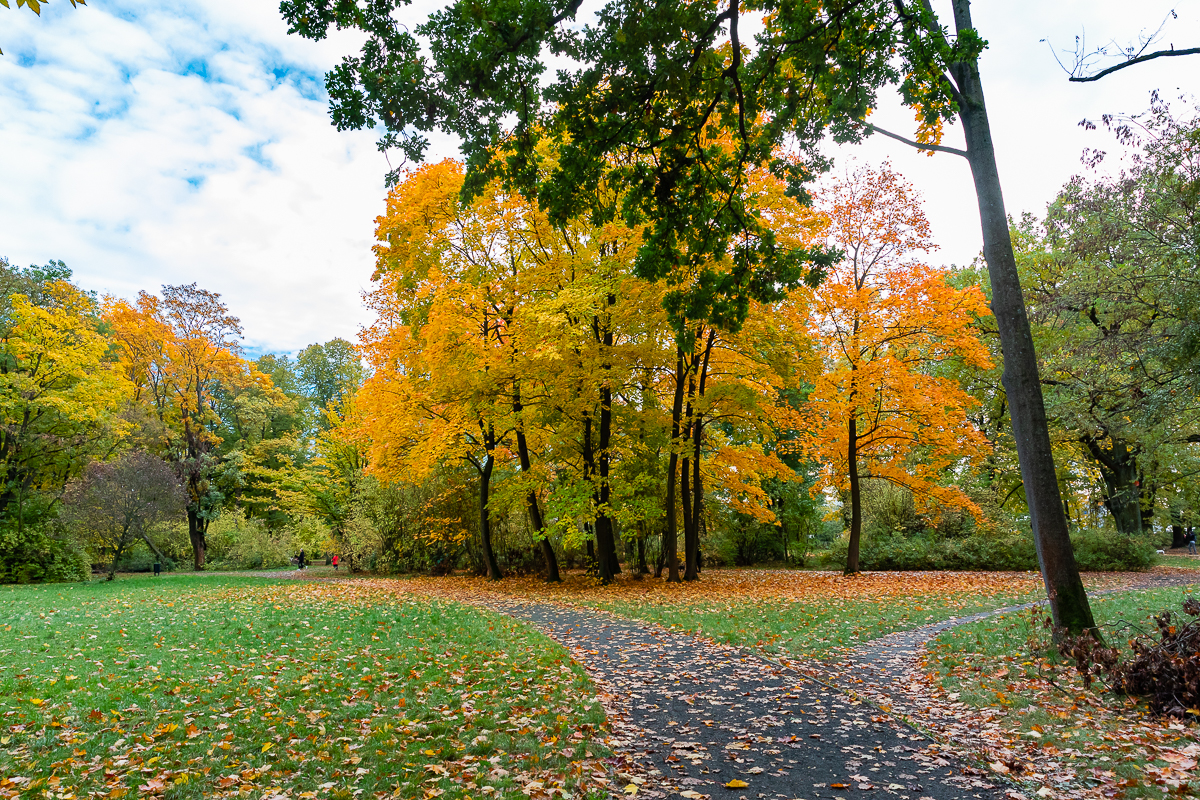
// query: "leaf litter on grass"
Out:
[330,689]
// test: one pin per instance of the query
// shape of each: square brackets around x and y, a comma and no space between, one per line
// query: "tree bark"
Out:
[531,501]
[485,519]
[1064,588]
[852,565]
[670,534]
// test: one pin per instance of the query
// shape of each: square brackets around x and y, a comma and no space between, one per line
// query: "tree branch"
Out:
[939,148]
[1137,60]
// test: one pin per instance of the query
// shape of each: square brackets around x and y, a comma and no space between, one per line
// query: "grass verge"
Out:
[198,686]
[1047,730]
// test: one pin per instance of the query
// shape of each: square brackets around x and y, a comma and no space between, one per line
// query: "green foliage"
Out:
[1095,551]
[236,542]
[39,551]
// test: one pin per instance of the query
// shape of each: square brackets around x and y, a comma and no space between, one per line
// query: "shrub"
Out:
[40,552]
[235,542]
[1095,551]
[1110,551]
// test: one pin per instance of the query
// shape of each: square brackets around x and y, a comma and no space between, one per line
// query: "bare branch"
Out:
[939,148]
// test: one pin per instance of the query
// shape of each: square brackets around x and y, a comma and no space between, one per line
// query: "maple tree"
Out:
[661,83]
[885,322]
[181,353]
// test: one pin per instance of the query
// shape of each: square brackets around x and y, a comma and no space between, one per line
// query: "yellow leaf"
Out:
[267,747]
[37,701]
[631,789]
[736,783]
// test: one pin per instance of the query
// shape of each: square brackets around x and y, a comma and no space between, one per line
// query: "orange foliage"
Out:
[886,321]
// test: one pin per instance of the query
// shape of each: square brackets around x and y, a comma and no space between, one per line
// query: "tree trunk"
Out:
[485,520]
[1122,492]
[696,416]
[1064,588]
[642,568]
[1178,530]
[605,535]
[669,536]
[531,501]
[157,553]
[855,495]
[197,529]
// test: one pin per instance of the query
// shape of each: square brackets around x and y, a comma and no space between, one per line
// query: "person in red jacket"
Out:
[335,560]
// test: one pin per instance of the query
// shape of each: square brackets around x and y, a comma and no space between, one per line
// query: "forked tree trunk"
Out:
[1064,588]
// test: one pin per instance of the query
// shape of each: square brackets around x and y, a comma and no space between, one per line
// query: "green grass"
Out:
[1183,562]
[207,685]
[1007,662]
[811,628]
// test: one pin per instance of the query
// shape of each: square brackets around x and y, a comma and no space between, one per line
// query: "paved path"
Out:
[696,716]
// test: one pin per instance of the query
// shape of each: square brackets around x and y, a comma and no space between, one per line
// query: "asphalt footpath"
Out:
[698,719]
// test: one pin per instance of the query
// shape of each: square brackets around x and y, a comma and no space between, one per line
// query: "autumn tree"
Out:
[116,503]
[886,320]
[181,351]
[58,396]
[664,81]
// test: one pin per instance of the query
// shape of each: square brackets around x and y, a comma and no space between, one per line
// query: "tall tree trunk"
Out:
[855,495]
[642,568]
[1122,485]
[485,518]
[696,415]
[669,536]
[531,500]
[605,534]
[1064,588]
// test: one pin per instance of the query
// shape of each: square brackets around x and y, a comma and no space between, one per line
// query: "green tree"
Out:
[654,87]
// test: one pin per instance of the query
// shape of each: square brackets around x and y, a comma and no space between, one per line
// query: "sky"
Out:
[151,142]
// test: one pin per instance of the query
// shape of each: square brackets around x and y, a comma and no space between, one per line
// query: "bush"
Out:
[1110,551]
[1095,551]
[235,542]
[40,552]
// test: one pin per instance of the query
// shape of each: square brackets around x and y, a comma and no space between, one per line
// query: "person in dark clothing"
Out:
[1191,542]
[301,559]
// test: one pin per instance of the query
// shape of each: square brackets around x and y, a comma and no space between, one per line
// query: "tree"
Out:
[655,85]
[181,352]
[329,373]
[59,398]
[116,503]
[887,321]
[1112,288]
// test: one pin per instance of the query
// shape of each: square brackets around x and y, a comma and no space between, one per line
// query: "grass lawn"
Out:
[1045,720]
[804,614]
[193,686]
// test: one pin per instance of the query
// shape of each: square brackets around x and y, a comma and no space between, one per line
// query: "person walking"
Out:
[335,562]
[1191,541]
[301,559]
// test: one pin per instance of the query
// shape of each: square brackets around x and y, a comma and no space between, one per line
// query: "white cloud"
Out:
[169,142]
